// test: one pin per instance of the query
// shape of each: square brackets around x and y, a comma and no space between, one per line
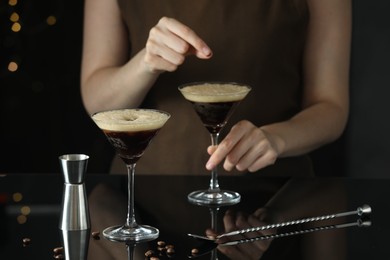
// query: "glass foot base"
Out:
[134,234]
[214,198]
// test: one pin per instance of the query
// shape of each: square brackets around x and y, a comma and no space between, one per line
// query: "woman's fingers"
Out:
[255,156]
[246,147]
[169,43]
[253,152]
[189,36]
[226,146]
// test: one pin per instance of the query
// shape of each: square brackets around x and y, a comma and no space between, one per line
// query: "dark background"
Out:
[42,116]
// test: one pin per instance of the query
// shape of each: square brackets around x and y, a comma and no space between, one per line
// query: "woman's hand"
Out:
[169,43]
[252,250]
[246,147]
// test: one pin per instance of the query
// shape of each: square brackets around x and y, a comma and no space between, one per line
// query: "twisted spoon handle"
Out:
[359,223]
[365,209]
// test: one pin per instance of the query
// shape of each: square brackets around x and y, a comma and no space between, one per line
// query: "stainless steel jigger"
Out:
[75,221]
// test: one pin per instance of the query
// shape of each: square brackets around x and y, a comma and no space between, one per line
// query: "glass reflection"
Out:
[265,201]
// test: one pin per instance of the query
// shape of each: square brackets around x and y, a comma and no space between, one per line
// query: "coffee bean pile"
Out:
[162,250]
[58,252]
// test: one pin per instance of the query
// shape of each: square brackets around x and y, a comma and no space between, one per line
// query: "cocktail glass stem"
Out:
[214,186]
[214,195]
[130,251]
[214,218]
[131,232]
[130,221]
[214,226]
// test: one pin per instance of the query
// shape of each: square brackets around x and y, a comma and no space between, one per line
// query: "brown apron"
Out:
[256,42]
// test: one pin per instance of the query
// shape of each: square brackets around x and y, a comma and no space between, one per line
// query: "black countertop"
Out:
[30,207]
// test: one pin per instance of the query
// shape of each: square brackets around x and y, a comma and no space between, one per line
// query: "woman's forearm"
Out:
[117,87]
[250,147]
[315,126]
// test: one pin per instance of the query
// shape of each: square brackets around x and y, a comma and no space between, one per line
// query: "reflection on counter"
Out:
[265,201]
[162,202]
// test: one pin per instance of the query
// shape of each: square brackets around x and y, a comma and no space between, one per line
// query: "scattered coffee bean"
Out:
[161,251]
[161,243]
[58,250]
[194,251]
[170,250]
[96,235]
[149,253]
[26,241]
[59,256]
[169,246]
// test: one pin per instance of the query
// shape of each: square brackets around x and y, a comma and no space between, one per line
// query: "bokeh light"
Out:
[14,17]
[17,197]
[25,210]
[16,27]
[13,2]
[51,20]
[13,66]
[21,219]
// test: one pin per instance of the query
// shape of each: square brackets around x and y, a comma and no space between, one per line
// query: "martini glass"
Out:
[130,131]
[214,102]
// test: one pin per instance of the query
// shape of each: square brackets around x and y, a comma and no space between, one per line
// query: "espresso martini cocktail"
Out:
[130,131]
[214,103]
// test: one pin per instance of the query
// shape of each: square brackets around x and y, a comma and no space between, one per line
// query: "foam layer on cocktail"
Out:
[214,92]
[126,120]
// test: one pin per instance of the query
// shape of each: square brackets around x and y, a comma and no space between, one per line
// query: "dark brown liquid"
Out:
[214,115]
[130,146]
